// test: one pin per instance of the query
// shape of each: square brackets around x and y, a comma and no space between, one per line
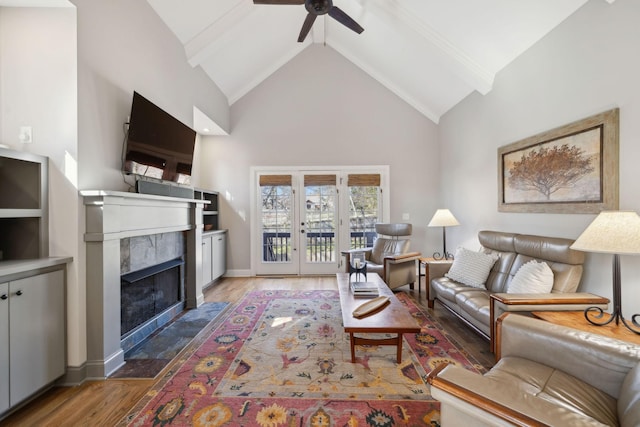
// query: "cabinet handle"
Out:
[3,296]
[19,292]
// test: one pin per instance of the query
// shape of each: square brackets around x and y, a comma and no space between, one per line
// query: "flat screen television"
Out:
[158,145]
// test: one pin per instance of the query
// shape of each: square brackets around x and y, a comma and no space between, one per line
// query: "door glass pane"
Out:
[364,207]
[277,211]
[320,223]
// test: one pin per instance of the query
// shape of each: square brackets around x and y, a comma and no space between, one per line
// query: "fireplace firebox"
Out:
[147,293]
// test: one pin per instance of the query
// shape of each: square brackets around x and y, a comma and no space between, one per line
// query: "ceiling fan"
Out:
[315,8]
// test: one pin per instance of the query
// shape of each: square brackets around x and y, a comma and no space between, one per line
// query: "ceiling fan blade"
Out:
[337,14]
[308,23]
[278,1]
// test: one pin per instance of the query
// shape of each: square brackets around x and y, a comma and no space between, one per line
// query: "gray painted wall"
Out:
[321,110]
[38,85]
[589,64]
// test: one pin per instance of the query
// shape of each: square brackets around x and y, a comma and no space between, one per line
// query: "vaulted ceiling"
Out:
[431,53]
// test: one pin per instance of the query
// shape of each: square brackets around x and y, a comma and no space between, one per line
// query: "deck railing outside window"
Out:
[277,246]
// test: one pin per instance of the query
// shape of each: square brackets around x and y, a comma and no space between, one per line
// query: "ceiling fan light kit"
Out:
[316,8]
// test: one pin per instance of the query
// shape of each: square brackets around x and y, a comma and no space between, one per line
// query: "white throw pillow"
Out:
[471,268]
[532,278]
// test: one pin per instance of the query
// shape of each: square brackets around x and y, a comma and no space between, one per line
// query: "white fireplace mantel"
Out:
[114,215]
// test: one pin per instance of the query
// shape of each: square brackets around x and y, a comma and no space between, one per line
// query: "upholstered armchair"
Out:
[390,257]
[546,375]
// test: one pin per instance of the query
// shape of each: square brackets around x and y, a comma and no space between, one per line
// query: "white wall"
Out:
[70,73]
[587,65]
[38,89]
[321,110]
[124,46]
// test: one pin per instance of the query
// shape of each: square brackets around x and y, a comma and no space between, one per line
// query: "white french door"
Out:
[304,218]
[319,216]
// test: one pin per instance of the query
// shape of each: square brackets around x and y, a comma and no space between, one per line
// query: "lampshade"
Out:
[443,218]
[616,232]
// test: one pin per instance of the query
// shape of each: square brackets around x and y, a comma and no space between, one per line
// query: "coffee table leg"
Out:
[352,342]
[399,354]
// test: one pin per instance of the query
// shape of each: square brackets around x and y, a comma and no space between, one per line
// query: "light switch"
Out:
[26,136]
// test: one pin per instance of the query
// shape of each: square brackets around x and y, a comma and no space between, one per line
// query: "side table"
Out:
[432,268]
[576,320]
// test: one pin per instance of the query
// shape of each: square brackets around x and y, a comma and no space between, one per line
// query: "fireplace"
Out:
[151,284]
[149,298]
[127,233]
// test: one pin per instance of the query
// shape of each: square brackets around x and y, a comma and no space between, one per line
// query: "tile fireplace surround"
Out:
[110,217]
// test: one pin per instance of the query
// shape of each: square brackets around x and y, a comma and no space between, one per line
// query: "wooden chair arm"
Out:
[551,298]
[409,256]
[538,302]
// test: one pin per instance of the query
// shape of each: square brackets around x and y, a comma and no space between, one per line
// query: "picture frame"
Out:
[571,169]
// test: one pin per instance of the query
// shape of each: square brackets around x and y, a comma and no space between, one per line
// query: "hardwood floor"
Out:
[104,403]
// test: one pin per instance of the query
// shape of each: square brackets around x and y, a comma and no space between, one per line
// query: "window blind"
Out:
[363,180]
[275,180]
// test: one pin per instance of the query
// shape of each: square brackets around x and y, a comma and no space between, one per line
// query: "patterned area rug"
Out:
[281,358]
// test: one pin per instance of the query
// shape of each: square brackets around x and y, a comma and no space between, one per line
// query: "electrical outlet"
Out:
[26,135]
[406,217]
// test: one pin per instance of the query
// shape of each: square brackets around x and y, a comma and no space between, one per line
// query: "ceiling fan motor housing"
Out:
[318,7]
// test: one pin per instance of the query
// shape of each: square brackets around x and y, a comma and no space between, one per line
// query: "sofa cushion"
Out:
[532,278]
[475,302]
[471,268]
[447,289]
[629,399]
[543,382]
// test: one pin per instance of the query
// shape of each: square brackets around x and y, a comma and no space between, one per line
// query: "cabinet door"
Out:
[219,255]
[4,347]
[207,266]
[37,336]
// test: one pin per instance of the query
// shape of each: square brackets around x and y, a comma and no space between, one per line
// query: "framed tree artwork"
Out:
[570,169]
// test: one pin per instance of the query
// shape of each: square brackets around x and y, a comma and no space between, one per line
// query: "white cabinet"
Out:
[207,259]
[214,240]
[219,254]
[32,335]
[4,346]
[214,255]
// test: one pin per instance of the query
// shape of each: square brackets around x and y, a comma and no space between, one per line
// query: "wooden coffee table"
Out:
[392,318]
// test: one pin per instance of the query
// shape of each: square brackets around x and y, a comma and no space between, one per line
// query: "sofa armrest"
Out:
[398,259]
[503,302]
[598,360]
[433,270]
[469,397]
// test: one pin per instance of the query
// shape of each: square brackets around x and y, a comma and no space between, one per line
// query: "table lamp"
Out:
[443,218]
[612,232]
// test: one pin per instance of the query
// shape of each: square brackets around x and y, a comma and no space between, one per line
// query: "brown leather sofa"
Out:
[479,307]
[390,257]
[547,375]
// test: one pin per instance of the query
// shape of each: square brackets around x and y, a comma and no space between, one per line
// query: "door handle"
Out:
[3,297]
[302,231]
[19,292]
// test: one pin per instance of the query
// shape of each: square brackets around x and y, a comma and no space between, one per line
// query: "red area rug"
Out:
[281,358]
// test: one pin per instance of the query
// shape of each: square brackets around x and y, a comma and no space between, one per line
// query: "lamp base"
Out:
[446,255]
[598,313]
[594,314]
